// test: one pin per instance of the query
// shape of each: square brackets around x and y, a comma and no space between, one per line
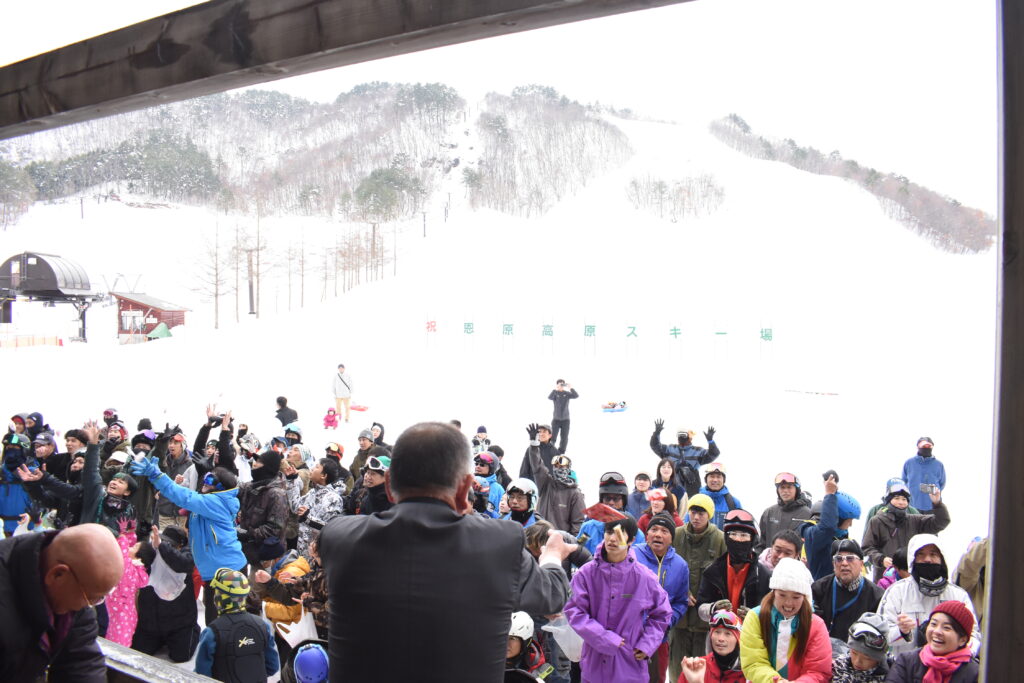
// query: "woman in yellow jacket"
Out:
[783,640]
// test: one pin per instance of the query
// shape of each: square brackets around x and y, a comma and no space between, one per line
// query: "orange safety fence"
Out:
[26,340]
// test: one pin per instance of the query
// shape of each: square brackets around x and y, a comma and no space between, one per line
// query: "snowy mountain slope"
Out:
[900,336]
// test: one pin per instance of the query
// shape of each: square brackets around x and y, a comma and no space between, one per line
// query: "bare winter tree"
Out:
[213,274]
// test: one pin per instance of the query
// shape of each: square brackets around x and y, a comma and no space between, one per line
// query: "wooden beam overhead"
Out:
[227,44]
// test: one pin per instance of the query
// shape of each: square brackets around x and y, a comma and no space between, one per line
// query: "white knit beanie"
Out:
[791,575]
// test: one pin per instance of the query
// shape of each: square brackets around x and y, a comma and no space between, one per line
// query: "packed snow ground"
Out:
[877,337]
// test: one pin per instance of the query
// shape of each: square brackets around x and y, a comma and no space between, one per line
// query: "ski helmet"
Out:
[527,488]
[714,468]
[787,478]
[488,460]
[849,508]
[310,664]
[896,487]
[293,428]
[522,627]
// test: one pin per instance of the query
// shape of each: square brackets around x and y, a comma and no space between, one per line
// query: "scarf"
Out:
[563,476]
[942,667]
[726,662]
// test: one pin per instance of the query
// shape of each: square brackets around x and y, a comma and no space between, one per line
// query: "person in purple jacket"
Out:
[619,610]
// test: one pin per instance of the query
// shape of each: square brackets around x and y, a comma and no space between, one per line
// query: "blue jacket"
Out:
[594,529]
[637,503]
[496,492]
[14,499]
[818,537]
[721,503]
[673,574]
[920,470]
[211,526]
[208,648]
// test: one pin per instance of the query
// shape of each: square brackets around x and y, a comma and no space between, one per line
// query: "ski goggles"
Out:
[786,478]
[484,459]
[109,413]
[211,480]
[725,619]
[561,461]
[738,515]
[869,635]
[375,464]
[180,438]
[334,447]
[613,478]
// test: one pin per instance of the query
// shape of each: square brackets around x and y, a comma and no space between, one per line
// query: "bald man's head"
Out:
[80,566]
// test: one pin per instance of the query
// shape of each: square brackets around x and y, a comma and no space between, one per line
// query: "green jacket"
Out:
[699,551]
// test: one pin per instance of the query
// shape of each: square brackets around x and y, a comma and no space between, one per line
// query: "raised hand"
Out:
[154,537]
[261,576]
[831,486]
[211,411]
[710,434]
[659,424]
[532,430]
[147,467]
[92,431]
[28,475]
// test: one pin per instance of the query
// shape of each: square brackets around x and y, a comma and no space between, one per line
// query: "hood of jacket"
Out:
[920,541]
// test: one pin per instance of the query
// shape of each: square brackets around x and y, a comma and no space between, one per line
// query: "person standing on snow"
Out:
[561,395]
[546,444]
[561,501]
[838,511]
[892,528]
[285,414]
[657,554]
[792,510]
[618,637]
[907,603]
[715,488]
[342,388]
[686,457]
[922,472]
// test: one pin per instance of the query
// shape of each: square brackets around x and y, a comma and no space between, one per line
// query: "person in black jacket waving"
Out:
[561,395]
[168,618]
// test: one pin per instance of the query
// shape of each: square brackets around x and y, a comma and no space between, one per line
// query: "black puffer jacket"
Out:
[166,616]
[714,585]
[262,512]
[23,606]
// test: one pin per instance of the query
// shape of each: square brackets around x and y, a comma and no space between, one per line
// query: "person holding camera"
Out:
[892,527]
[923,474]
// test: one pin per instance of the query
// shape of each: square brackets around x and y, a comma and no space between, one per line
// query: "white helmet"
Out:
[526,486]
[522,626]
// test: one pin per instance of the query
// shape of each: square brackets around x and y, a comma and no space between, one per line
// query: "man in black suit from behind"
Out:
[425,591]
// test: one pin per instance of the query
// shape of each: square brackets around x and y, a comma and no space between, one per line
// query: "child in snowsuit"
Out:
[163,619]
[619,610]
[523,652]
[331,419]
[237,646]
[121,609]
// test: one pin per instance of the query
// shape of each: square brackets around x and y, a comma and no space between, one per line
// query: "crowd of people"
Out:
[672,579]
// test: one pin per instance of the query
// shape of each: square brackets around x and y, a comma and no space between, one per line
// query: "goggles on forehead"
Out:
[869,634]
[738,515]
[727,619]
[613,478]
[785,478]
[335,448]
[375,464]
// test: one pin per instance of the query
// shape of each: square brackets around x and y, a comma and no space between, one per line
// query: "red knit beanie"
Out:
[958,612]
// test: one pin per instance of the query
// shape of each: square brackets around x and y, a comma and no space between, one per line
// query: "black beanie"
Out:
[142,438]
[271,461]
[664,520]
[77,434]
[144,424]
[226,477]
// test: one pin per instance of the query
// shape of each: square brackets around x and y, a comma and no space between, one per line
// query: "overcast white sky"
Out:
[906,86]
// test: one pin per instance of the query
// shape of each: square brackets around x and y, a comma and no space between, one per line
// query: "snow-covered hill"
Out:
[876,337]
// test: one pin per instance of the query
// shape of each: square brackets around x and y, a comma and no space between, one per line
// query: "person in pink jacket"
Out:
[121,606]
[782,639]
[619,610]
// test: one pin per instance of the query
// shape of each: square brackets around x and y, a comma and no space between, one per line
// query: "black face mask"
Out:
[739,551]
[725,662]
[924,452]
[928,571]
[899,514]
[14,458]
[74,476]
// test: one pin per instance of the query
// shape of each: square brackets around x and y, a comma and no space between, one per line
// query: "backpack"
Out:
[241,643]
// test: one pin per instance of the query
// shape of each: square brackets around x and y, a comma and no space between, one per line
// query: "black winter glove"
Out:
[659,424]
[532,430]
[243,535]
[710,434]
[203,463]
